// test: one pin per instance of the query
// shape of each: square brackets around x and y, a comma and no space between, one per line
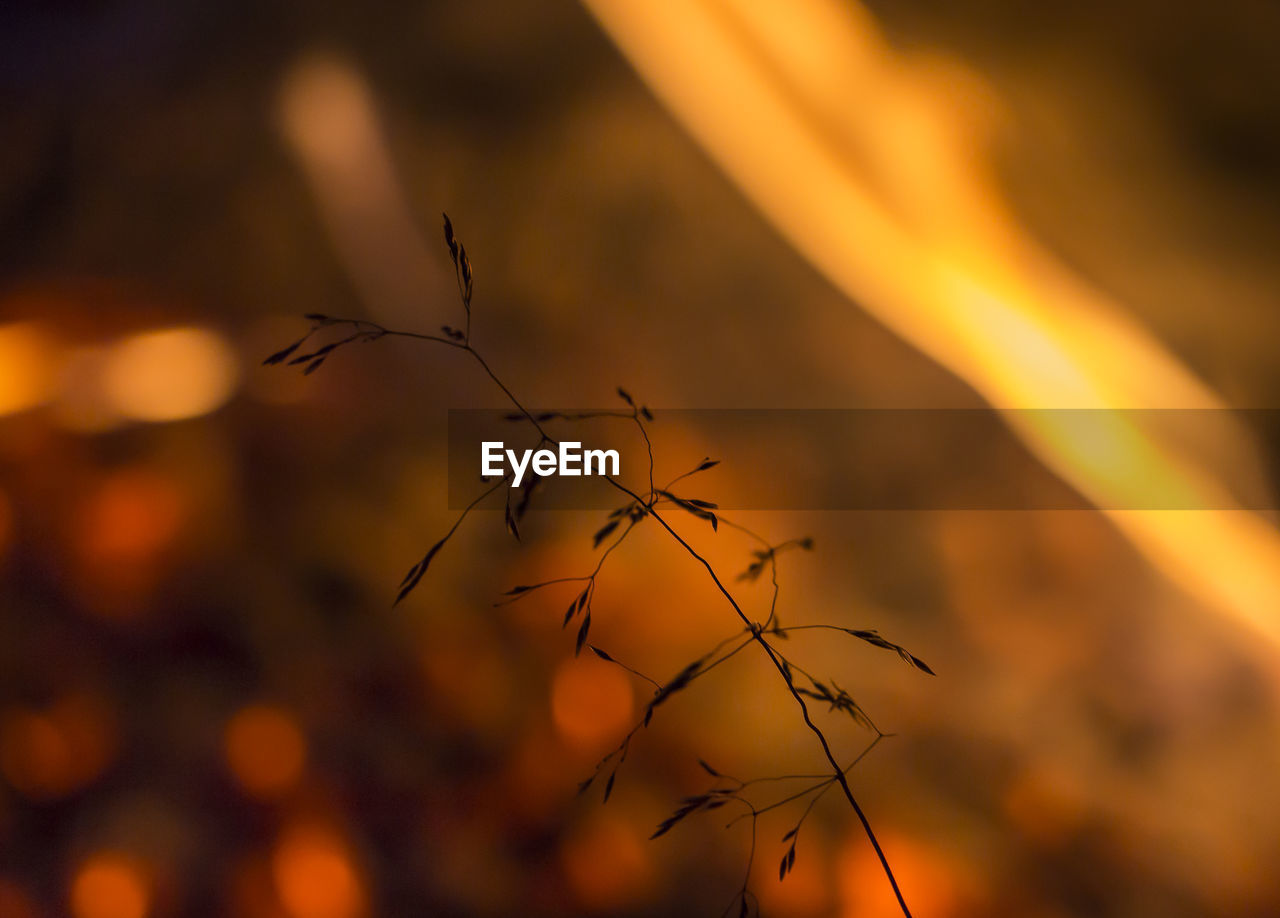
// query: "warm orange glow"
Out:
[27,366]
[314,875]
[169,375]
[132,516]
[935,884]
[125,528]
[875,166]
[111,885]
[591,701]
[265,750]
[607,863]
[52,752]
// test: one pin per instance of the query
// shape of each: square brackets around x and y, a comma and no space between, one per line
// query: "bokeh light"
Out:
[315,876]
[169,375]
[132,516]
[591,701]
[940,885]
[125,528]
[28,366]
[265,749]
[49,752]
[111,884]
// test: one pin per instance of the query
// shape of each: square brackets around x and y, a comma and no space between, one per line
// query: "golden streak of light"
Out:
[328,118]
[111,884]
[874,167]
[169,375]
[28,361]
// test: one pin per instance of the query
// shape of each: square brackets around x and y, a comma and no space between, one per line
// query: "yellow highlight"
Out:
[169,375]
[27,367]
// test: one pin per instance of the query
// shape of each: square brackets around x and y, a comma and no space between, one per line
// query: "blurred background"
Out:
[208,705]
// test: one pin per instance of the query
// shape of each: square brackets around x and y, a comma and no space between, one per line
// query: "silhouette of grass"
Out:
[651,504]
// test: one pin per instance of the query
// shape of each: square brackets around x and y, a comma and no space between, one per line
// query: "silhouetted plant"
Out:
[639,506]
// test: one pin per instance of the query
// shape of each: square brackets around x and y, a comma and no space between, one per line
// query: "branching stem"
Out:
[752,632]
